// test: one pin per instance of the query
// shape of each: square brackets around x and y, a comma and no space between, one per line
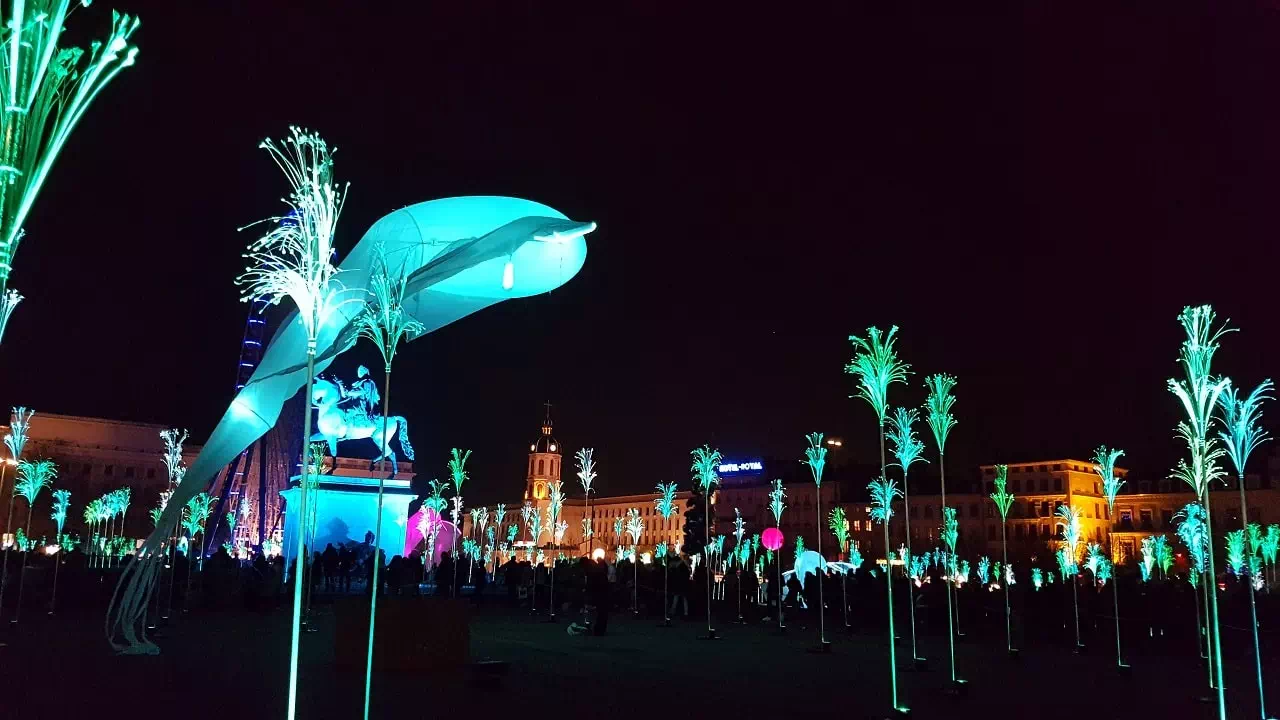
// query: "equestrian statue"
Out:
[351,414]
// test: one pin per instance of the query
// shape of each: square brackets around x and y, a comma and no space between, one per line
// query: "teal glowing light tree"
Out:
[173,438]
[1191,530]
[458,472]
[706,463]
[908,449]
[45,91]
[635,528]
[15,440]
[1199,393]
[295,260]
[586,476]
[385,323]
[665,504]
[883,493]
[554,506]
[1068,557]
[198,510]
[815,456]
[32,478]
[1004,500]
[839,524]
[937,408]
[533,522]
[61,503]
[1104,464]
[1243,435]
[777,504]
[950,535]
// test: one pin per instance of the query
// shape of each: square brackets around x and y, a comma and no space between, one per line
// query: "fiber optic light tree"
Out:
[883,493]
[44,92]
[1241,416]
[534,525]
[61,503]
[385,323]
[815,456]
[1191,530]
[458,472]
[198,510]
[1199,393]
[777,505]
[950,534]
[739,529]
[839,525]
[1068,555]
[173,438]
[554,506]
[32,478]
[295,260]
[1004,500]
[16,441]
[587,476]
[706,463]
[907,448]
[1104,464]
[635,528]
[665,504]
[937,407]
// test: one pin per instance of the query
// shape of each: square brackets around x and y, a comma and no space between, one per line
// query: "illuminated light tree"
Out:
[1193,533]
[1242,417]
[883,492]
[475,521]
[385,323]
[173,438]
[1148,563]
[1199,394]
[1164,554]
[120,505]
[706,463]
[839,525]
[815,456]
[937,408]
[61,503]
[198,510]
[526,511]
[1004,500]
[1104,464]
[31,479]
[554,506]
[15,440]
[1271,547]
[1068,554]
[665,504]
[458,472]
[1094,559]
[777,504]
[586,476]
[907,449]
[1037,578]
[45,92]
[430,526]
[295,260]
[635,528]
[1235,552]
[533,523]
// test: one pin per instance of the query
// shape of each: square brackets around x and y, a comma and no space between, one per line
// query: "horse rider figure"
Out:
[364,393]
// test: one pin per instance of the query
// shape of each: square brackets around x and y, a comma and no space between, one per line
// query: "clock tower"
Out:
[544,465]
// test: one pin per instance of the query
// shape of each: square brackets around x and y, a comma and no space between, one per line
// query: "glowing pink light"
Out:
[772,538]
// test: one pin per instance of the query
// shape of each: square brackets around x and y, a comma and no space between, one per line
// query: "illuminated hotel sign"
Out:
[746,466]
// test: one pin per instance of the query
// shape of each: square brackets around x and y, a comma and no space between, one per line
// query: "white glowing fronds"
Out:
[1243,420]
[883,493]
[1071,532]
[1235,551]
[61,503]
[907,448]
[1104,464]
[666,500]
[815,456]
[33,477]
[9,300]
[295,259]
[457,468]
[1193,532]
[937,407]
[586,469]
[635,525]
[1002,498]
[706,463]
[16,438]
[776,504]
[384,320]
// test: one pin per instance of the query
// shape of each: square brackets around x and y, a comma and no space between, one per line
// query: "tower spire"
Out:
[546,424]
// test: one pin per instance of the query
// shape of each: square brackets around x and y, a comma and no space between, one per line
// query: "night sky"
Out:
[1031,193]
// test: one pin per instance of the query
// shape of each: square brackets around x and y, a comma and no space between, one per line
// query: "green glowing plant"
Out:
[799,549]
[1242,418]
[1235,552]
[1104,464]
[1199,393]
[15,440]
[777,505]
[31,479]
[45,93]
[1037,578]
[706,463]
[1071,533]
[815,456]
[1004,500]
[665,504]
[586,476]
[984,570]
[1193,533]
[876,365]
[883,492]
[457,466]
[61,503]
[839,525]
[1164,554]
[937,409]
[908,449]
[635,528]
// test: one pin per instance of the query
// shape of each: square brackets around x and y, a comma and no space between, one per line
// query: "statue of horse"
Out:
[337,421]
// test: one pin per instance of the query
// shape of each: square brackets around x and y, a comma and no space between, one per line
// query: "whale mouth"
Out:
[572,231]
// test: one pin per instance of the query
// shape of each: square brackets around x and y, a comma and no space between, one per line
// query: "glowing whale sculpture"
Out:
[460,255]
[808,564]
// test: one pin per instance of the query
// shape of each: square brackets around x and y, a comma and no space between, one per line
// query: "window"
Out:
[1044,508]
[991,532]
[1017,485]
[973,510]
[540,465]
[1166,516]
[1044,468]
[128,472]
[913,512]
[109,471]
[991,511]
[1057,468]
[1044,484]
[1018,531]
[151,473]
[1044,531]
[530,466]
[1096,513]
[1144,517]
[1126,515]
[928,511]
[1057,484]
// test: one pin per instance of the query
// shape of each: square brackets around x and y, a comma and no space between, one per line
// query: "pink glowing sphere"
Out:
[772,538]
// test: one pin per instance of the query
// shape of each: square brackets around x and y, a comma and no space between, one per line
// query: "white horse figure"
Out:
[808,564]
[338,422]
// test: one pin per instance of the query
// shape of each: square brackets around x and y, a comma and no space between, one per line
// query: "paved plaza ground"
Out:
[229,664]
